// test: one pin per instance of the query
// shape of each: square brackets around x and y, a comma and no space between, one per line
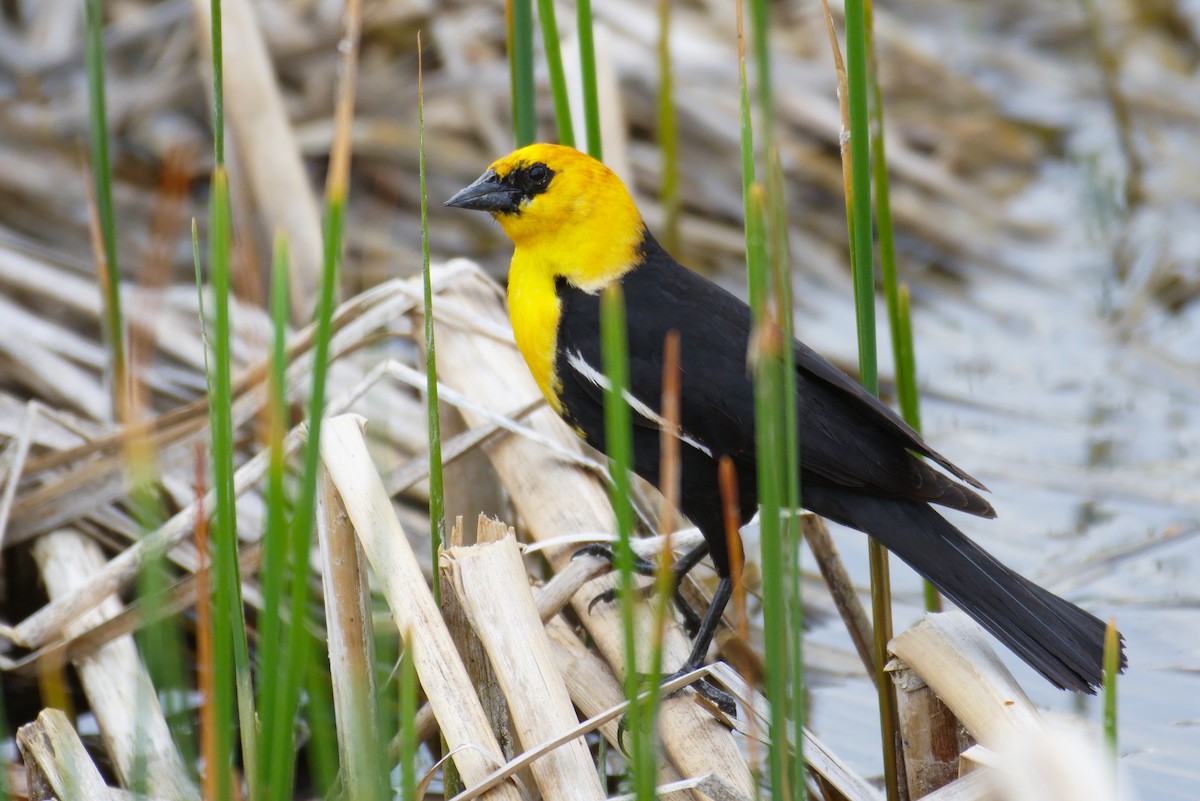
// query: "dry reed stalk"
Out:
[56,763]
[948,651]
[267,145]
[559,590]
[91,483]
[351,644]
[493,373]
[977,785]
[439,668]
[13,460]
[490,582]
[474,655]
[358,318]
[174,600]
[849,606]
[118,689]
[594,688]
[820,760]
[932,737]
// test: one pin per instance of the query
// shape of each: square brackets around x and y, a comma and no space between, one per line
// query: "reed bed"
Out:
[486,652]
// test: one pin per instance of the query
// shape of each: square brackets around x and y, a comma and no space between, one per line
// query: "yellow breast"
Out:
[534,309]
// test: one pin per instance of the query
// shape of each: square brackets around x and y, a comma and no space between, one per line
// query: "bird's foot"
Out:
[706,689]
[643,567]
[721,700]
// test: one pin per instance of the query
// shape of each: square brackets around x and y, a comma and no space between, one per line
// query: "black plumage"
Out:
[859,463]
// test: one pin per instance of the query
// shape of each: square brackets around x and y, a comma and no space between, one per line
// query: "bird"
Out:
[576,230]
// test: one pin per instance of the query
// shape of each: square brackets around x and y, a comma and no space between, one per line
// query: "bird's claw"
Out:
[643,567]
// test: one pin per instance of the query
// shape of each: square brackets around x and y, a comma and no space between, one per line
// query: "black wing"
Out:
[848,438]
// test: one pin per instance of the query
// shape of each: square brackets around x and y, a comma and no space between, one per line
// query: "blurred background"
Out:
[1046,193]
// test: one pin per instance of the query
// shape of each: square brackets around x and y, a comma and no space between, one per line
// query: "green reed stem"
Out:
[298,642]
[619,447]
[766,358]
[558,77]
[437,500]
[520,65]
[787,557]
[864,297]
[899,322]
[322,747]
[408,723]
[668,132]
[1112,666]
[110,275]
[910,405]
[216,38]
[231,669]
[275,537]
[587,72]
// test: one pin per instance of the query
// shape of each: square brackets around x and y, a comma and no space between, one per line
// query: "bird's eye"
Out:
[538,174]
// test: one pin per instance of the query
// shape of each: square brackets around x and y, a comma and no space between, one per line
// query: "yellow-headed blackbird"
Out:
[576,230]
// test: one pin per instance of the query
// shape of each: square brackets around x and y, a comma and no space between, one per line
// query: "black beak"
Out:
[488,193]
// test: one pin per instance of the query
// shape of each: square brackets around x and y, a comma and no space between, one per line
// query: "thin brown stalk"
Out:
[337,181]
[669,472]
[669,438]
[843,93]
[854,615]
[727,481]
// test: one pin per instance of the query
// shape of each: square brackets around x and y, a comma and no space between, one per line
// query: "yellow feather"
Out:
[584,228]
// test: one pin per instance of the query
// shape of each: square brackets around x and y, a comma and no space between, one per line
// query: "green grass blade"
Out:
[860,159]
[1112,666]
[864,297]
[437,500]
[109,272]
[587,72]
[668,132]
[558,77]
[899,321]
[275,537]
[218,69]
[231,676]
[408,723]
[906,389]
[297,643]
[766,359]
[786,554]
[322,745]
[906,363]
[520,64]
[619,447]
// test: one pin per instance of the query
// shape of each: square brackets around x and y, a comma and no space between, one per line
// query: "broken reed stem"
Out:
[441,672]
[490,582]
[351,650]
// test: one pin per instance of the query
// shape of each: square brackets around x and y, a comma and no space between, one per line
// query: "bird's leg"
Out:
[704,638]
[702,631]
[644,567]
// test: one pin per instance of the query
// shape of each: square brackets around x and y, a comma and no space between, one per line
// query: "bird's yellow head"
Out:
[567,214]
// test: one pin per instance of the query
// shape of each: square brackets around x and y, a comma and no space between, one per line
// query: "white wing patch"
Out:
[593,376]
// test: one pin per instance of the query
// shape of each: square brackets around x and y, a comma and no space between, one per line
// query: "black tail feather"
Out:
[1054,636]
